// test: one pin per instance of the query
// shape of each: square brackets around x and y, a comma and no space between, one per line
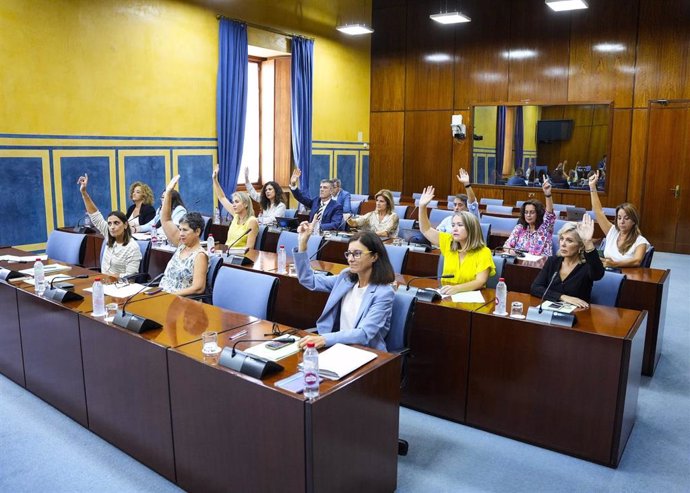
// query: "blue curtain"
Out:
[231,100]
[500,144]
[302,83]
[519,138]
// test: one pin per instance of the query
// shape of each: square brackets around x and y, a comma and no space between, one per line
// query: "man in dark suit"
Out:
[342,196]
[329,212]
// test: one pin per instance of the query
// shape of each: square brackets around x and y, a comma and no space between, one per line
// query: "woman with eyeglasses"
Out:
[465,255]
[534,231]
[358,310]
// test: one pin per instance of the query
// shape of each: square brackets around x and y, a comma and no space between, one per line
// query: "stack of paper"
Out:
[341,360]
[47,269]
[262,351]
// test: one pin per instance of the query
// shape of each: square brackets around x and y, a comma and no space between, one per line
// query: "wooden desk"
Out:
[11,361]
[126,374]
[234,433]
[572,390]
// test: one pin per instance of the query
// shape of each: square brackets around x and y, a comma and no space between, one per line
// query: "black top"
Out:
[578,283]
[146,213]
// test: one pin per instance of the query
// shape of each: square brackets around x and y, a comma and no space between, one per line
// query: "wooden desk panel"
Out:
[11,361]
[571,390]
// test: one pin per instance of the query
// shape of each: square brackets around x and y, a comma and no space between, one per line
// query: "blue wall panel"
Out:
[21,201]
[146,169]
[365,175]
[320,168]
[346,171]
[480,172]
[196,187]
[98,169]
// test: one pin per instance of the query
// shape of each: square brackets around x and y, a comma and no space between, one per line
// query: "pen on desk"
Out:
[238,335]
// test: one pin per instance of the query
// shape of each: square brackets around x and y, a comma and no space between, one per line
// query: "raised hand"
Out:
[172,184]
[463,177]
[546,186]
[304,231]
[585,228]
[295,176]
[216,168]
[592,180]
[83,181]
[427,196]
[246,174]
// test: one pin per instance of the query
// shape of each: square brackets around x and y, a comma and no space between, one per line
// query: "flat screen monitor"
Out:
[554,130]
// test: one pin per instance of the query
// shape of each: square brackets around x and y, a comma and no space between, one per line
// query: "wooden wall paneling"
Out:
[461,154]
[282,144]
[598,144]
[628,155]
[683,220]
[429,67]
[382,4]
[602,52]
[663,51]
[388,59]
[386,151]
[427,157]
[481,67]
[539,60]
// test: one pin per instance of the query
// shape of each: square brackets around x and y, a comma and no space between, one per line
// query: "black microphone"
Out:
[131,276]
[326,242]
[133,322]
[66,278]
[424,294]
[249,364]
[409,283]
[238,239]
[238,259]
[60,294]
[541,303]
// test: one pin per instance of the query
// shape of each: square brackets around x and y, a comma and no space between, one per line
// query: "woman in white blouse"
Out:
[625,245]
[383,220]
[122,255]
[270,199]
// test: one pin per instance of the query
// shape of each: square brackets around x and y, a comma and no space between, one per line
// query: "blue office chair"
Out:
[562,207]
[519,203]
[397,255]
[558,224]
[438,215]
[397,340]
[499,209]
[416,195]
[359,196]
[262,288]
[500,262]
[439,268]
[502,224]
[396,200]
[647,260]
[207,227]
[486,231]
[486,201]
[609,211]
[145,249]
[259,243]
[354,206]
[592,215]
[406,223]
[607,290]
[66,247]
[396,193]
[290,240]
[401,210]
[451,200]
[431,205]
[555,244]
[291,213]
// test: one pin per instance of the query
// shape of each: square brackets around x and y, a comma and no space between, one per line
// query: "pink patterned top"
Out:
[537,242]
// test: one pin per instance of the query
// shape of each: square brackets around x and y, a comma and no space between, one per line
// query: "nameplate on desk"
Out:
[134,322]
[7,274]
[61,295]
[550,317]
[414,247]
[238,260]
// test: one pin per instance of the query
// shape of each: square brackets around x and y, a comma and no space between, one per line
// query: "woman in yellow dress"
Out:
[243,220]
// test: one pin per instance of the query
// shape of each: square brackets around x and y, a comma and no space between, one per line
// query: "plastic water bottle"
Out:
[310,369]
[39,277]
[98,298]
[501,295]
[282,260]
[210,245]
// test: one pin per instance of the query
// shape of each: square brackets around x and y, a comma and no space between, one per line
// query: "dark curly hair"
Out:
[540,213]
[279,196]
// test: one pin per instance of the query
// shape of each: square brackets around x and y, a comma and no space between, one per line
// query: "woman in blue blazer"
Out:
[358,310]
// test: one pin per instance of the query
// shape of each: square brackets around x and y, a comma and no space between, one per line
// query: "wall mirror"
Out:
[537,138]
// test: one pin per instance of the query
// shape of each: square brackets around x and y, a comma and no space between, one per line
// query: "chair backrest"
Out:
[313,244]
[647,260]
[396,200]
[397,256]
[215,262]
[562,207]
[439,268]
[606,290]
[432,203]
[555,243]
[519,203]
[260,237]
[486,201]
[397,338]
[451,201]
[493,280]
[396,194]
[499,209]
[290,240]
[486,231]
[416,195]
[257,294]
[401,210]
[290,213]
[207,227]
[503,224]
[592,215]
[406,223]
[145,249]
[438,215]
[609,211]
[354,206]
[358,196]
[559,224]
[66,247]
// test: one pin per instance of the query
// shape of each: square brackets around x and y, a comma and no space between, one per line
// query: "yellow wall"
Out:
[530,116]
[485,125]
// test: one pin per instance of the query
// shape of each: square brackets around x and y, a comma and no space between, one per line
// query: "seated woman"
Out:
[244,228]
[185,274]
[271,199]
[358,310]
[178,212]
[383,220]
[577,263]
[625,245]
[534,231]
[122,256]
[465,255]
[141,211]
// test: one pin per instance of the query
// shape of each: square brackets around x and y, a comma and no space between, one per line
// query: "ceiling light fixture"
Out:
[564,5]
[449,17]
[355,29]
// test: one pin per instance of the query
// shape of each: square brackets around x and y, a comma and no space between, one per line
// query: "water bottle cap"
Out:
[38,260]
[310,344]
[98,279]
[500,279]
[282,246]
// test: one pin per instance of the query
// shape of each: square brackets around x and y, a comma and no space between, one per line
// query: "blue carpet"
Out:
[42,450]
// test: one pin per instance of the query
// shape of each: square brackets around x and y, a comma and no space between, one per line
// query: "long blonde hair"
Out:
[571,227]
[475,238]
[247,201]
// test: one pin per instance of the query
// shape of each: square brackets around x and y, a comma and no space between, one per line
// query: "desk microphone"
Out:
[134,322]
[313,255]
[541,302]
[424,294]
[535,314]
[61,294]
[249,364]
[9,274]
[238,259]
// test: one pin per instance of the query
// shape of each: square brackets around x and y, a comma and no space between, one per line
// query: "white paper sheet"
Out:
[468,297]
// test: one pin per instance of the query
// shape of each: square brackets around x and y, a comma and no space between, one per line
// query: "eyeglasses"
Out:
[529,213]
[354,253]
[276,332]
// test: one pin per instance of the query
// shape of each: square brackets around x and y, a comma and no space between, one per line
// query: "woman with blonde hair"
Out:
[244,227]
[465,255]
[625,245]
[383,220]
[141,211]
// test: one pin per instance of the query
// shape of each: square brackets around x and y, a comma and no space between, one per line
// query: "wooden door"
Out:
[665,207]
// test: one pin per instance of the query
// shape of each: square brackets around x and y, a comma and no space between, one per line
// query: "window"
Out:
[251,153]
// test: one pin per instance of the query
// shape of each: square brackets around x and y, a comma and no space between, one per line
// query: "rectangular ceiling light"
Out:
[355,29]
[563,5]
[450,18]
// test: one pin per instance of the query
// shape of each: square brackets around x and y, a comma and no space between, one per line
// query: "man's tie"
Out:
[320,212]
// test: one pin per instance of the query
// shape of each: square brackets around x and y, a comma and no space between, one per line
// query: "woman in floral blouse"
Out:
[534,230]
